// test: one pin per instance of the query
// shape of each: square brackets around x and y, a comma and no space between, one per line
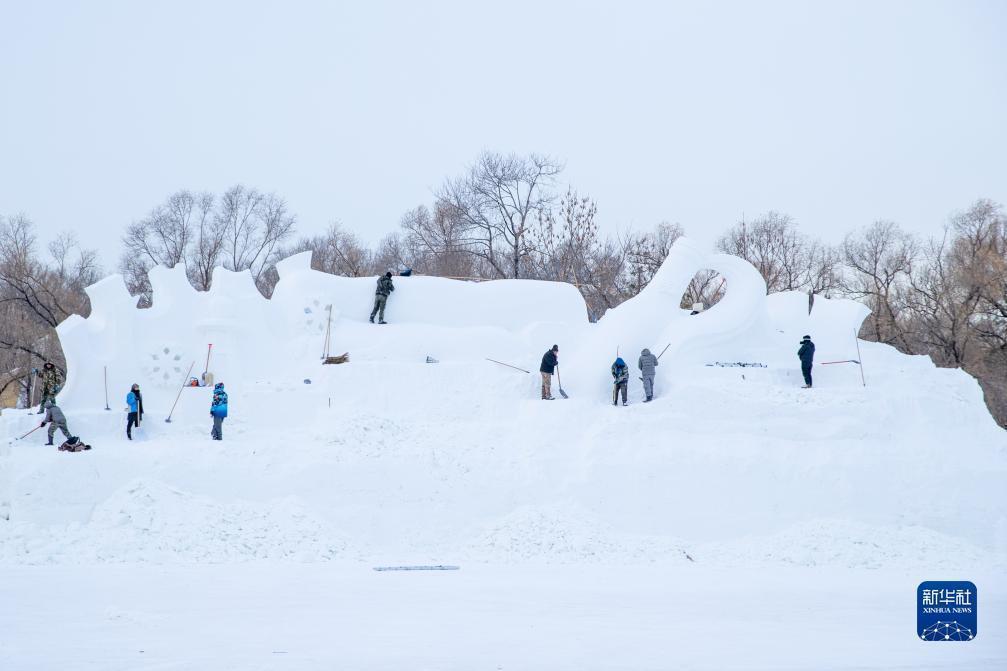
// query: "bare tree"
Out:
[36,294]
[337,252]
[878,263]
[164,237]
[436,243]
[243,230]
[646,252]
[207,242]
[568,249]
[497,203]
[787,259]
[254,225]
[941,306]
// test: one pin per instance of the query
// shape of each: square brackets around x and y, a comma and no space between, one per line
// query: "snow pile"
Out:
[391,458]
[148,521]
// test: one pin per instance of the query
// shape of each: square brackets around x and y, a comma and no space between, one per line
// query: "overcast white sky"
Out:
[838,113]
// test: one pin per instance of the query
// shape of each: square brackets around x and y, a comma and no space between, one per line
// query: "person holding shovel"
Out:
[620,376]
[55,418]
[549,362]
[647,363]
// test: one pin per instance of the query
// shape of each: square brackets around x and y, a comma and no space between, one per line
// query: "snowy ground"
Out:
[346,616]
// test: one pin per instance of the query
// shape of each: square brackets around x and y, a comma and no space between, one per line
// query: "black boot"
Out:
[50,442]
[372,319]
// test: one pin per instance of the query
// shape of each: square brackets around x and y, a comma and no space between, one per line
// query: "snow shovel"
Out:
[560,383]
[25,435]
[180,392]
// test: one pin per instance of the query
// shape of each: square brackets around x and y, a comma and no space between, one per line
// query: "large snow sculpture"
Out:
[279,341]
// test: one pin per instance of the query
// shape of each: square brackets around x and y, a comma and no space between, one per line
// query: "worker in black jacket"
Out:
[549,362]
[807,356]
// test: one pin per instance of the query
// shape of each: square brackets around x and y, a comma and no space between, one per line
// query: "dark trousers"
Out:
[132,419]
[624,386]
[806,371]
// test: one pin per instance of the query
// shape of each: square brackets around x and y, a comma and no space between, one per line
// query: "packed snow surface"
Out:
[388,459]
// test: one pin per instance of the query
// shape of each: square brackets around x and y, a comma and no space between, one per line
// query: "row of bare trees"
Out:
[242,229]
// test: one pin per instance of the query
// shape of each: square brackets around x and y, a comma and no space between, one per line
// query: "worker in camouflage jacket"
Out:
[218,410]
[55,418]
[385,288]
[620,375]
[52,382]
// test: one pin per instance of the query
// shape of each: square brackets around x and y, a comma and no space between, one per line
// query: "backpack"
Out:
[73,444]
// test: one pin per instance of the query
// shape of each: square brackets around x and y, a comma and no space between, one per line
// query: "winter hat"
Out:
[555,348]
[218,386]
[619,362]
[388,274]
[807,337]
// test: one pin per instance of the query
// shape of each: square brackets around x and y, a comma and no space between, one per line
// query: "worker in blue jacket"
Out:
[218,408]
[135,413]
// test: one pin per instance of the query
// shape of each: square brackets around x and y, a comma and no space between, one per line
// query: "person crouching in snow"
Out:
[807,355]
[135,413]
[385,287]
[620,374]
[218,408]
[647,363]
[55,418]
[549,362]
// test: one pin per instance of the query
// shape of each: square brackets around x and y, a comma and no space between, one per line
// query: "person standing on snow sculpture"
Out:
[549,362]
[620,374]
[52,382]
[385,287]
[218,408]
[55,418]
[135,402]
[647,363]
[807,355]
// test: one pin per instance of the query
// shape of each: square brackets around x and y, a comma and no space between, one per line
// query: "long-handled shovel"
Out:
[28,434]
[560,383]
[180,391]
[508,365]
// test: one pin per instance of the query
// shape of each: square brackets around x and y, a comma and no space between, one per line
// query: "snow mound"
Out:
[149,521]
[567,533]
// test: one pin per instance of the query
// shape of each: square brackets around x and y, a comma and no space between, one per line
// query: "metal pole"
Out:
[180,392]
[859,358]
[106,387]
[328,329]
[508,365]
